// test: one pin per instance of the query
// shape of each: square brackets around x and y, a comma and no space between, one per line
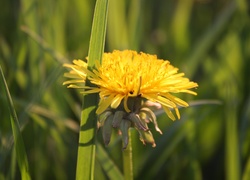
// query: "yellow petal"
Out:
[104,104]
[169,113]
[116,101]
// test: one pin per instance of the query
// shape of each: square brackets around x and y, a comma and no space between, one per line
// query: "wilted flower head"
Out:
[124,80]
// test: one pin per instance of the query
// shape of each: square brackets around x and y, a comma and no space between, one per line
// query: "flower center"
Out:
[131,104]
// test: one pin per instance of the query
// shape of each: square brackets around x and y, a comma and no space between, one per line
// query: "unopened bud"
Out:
[147,137]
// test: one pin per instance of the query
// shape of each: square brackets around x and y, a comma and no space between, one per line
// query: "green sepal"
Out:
[107,129]
[137,121]
[124,127]
[119,115]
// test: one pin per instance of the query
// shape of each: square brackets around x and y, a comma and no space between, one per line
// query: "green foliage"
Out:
[88,125]
[208,40]
[17,136]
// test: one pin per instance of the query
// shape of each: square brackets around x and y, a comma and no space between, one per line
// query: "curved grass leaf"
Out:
[18,141]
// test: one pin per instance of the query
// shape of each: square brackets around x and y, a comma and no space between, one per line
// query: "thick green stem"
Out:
[128,159]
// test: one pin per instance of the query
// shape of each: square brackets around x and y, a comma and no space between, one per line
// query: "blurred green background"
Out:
[209,40]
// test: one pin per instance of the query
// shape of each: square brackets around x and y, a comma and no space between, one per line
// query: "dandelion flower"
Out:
[124,80]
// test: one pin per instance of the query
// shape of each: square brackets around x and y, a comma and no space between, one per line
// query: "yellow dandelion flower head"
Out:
[126,74]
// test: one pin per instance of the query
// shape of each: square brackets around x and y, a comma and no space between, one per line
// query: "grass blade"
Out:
[86,148]
[246,173]
[18,141]
[209,38]
[107,164]
[232,154]
[117,26]
[98,32]
[44,45]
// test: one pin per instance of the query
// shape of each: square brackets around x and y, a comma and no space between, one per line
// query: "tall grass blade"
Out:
[232,156]
[117,26]
[18,141]
[244,138]
[134,24]
[98,32]
[209,38]
[86,148]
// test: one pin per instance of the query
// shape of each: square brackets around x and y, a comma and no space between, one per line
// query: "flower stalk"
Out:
[128,159]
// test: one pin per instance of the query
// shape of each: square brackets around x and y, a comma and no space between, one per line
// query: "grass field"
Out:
[208,40]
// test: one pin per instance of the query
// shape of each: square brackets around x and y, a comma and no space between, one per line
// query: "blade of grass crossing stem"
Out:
[108,165]
[87,147]
[18,141]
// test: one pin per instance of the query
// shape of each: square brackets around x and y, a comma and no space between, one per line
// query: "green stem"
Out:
[128,159]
